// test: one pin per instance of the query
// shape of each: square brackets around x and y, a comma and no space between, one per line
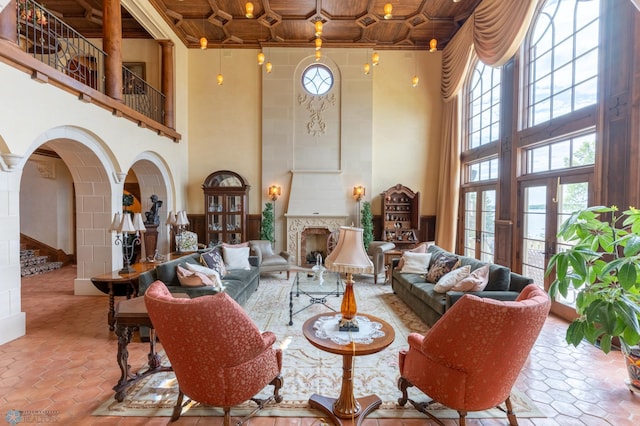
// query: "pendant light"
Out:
[318,55]
[388,9]
[260,58]
[318,26]
[367,67]
[318,43]
[220,78]
[375,58]
[269,67]
[248,9]
[203,39]
[433,44]
[415,79]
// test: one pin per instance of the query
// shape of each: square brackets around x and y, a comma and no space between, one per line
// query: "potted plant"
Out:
[367,224]
[267,230]
[603,265]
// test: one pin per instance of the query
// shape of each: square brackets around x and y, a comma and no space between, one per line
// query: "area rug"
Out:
[308,370]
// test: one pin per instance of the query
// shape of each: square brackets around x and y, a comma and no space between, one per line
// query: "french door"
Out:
[478,234]
[544,204]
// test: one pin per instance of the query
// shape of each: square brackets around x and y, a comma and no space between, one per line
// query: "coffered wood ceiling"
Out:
[288,23]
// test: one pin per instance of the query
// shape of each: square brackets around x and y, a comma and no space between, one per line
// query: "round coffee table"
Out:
[347,409]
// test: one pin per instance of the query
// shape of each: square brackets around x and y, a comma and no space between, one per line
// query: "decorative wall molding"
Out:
[316,105]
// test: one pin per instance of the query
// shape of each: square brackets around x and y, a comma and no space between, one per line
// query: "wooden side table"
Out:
[389,255]
[130,314]
[116,284]
[347,409]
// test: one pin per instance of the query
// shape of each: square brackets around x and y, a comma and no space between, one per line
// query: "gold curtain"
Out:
[493,33]
[499,27]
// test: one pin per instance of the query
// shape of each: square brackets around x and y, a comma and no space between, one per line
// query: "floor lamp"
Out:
[358,194]
[274,192]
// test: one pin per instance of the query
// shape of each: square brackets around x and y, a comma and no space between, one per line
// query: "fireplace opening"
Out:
[313,242]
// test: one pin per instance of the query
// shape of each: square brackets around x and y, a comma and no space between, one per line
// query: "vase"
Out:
[632,360]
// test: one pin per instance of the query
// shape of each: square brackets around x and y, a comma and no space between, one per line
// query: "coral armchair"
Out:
[472,356]
[219,356]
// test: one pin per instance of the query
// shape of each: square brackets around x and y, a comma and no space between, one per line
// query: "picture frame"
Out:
[130,84]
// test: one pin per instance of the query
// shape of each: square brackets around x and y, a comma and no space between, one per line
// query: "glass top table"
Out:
[317,291]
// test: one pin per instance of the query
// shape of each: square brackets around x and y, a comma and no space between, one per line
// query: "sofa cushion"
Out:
[442,265]
[452,278]
[475,281]
[236,257]
[420,248]
[416,263]
[211,274]
[189,278]
[427,294]
[213,259]
[166,272]
[499,276]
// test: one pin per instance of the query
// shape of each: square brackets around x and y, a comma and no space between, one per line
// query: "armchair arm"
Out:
[415,341]
[285,255]
[269,338]
[379,247]
[257,253]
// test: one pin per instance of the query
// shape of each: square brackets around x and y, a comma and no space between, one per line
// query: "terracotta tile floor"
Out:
[67,363]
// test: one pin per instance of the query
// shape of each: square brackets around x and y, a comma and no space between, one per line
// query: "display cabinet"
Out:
[226,206]
[400,216]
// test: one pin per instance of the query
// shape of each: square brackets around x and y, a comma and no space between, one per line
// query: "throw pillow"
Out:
[213,259]
[236,258]
[441,266]
[420,248]
[451,278]
[476,281]
[192,279]
[415,263]
[240,245]
[211,274]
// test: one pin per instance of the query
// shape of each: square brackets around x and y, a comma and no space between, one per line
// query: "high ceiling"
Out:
[347,23]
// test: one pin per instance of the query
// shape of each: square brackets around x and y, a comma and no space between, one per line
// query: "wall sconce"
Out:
[128,235]
[358,193]
[388,8]
[274,192]
[248,9]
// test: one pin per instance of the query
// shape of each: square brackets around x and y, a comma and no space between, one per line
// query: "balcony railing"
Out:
[44,36]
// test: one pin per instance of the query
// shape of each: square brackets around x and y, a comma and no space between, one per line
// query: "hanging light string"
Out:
[415,79]
[203,39]
[367,67]
[220,77]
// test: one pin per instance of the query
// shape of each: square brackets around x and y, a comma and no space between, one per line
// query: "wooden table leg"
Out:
[111,315]
[124,338]
[346,409]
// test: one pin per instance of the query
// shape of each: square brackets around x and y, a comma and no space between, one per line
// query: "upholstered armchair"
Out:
[267,259]
[472,356]
[219,356]
[376,253]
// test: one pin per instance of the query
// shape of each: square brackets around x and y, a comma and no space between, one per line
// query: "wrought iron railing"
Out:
[48,39]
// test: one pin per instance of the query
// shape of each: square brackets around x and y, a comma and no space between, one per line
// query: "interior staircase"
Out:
[32,263]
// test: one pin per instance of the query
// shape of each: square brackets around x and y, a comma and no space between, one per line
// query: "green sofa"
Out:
[429,305]
[239,284]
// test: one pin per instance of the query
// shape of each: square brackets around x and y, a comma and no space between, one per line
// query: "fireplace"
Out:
[307,234]
[313,242]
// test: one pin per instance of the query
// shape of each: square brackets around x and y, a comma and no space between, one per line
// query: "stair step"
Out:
[39,268]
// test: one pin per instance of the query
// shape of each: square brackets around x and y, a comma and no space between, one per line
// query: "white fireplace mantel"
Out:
[296,224]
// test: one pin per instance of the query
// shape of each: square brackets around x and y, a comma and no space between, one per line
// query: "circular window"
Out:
[317,79]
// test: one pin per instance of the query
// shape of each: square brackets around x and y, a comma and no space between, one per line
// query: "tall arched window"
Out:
[480,167]
[562,59]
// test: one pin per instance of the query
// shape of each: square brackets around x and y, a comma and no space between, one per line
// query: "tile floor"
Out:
[67,364]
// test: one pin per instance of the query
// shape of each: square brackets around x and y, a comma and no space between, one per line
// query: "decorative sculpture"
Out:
[153,216]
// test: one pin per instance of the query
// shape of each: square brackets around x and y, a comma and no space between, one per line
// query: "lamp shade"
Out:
[138,223]
[126,226]
[181,218]
[171,219]
[115,223]
[349,254]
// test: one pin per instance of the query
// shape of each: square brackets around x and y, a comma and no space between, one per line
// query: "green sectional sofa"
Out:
[239,284]
[419,295]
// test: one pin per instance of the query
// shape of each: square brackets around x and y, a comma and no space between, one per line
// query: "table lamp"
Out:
[350,257]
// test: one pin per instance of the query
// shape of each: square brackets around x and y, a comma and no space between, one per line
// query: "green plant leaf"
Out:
[575,333]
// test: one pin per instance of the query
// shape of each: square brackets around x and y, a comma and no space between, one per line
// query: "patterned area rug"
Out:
[308,370]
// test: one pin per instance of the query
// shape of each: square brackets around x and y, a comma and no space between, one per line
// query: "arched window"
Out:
[484,106]
[562,59]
